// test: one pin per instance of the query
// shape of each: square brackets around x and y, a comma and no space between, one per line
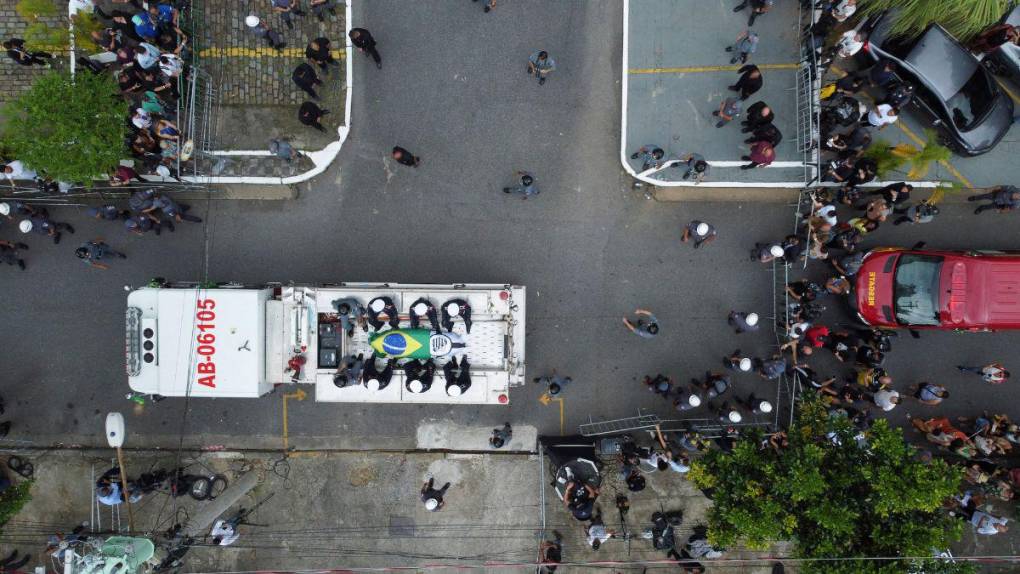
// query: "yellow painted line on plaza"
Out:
[1008,91]
[697,69]
[949,167]
[545,399]
[298,395]
[260,53]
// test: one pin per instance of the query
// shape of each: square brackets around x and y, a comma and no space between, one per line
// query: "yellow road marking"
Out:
[696,69]
[949,167]
[545,399]
[1008,91]
[260,53]
[297,395]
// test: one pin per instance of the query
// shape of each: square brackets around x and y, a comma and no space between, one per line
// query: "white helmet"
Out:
[765,407]
[734,417]
[751,319]
[25,226]
[163,171]
[454,390]
[453,309]
[415,386]
[373,384]
[5,208]
[702,229]
[431,504]
[377,305]
[745,364]
[694,400]
[252,21]
[776,250]
[420,309]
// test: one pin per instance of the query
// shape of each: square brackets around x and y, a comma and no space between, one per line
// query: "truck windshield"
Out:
[916,289]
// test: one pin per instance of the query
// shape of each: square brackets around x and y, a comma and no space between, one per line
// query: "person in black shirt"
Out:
[364,42]
[305,78]
[757,116]
[16,50]
[318,52]
[310,114]
[405,157]
[750,81]
[895,193]
[768,133]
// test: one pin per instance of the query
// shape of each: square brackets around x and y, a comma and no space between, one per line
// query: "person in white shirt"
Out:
[844,9]
[883,115]
[680,463]
[141,119]
[147,55]
[886,399]
[985,523]
[17,170]
[224,533]
[849,44]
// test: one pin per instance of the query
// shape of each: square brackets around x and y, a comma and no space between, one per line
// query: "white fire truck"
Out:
[243,341]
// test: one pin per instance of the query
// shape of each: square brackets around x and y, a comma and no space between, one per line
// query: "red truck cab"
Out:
[930,289]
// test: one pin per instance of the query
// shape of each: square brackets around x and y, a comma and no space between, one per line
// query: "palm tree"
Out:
[964,19]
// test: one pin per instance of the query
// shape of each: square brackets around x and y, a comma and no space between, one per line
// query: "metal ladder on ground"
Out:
[619,426]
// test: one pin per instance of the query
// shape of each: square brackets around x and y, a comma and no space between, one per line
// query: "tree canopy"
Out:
[68,129]
[962,18]
[834,493]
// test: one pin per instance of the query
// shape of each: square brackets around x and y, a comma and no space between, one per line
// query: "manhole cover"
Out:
[402,526]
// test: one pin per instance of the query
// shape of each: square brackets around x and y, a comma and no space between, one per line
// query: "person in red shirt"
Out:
[762,154]
[817,336]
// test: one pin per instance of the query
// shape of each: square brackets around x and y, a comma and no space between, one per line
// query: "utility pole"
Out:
[115,437]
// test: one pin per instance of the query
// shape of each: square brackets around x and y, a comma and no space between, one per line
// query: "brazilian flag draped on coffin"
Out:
[414,344]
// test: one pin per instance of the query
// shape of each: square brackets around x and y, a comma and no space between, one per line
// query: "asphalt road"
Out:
[454,90]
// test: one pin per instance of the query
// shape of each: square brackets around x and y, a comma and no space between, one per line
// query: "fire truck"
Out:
[229,340]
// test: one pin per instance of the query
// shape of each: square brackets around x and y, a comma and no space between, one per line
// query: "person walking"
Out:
[768,132]
[736,361]
[650,156]
[287,9]
[762,155]
[993,373]
[432,498]
[728,414]
[262,30]
[917,214]
[540,65]
[305,78]
[596,532]
[311,114]
[750,81]
[362,40]
[525,187]
[1003,198]
[174,210]
[501,436]
[92,252]
[646,325]
[282,149]
[758,7]
[550,554]
[930,394]
[405,157]
[659,384]
[886,399]
[41,223]
[318,52]
[754,404]
[687,398]
[320,7]
[758,115]
[9,255]
[16,51]
[700,231]
[489,5]
[12,563]
[728,110]
[743,322]
[745,45]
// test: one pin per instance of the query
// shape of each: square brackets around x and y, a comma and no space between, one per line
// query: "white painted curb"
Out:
[644,175]
[321,158]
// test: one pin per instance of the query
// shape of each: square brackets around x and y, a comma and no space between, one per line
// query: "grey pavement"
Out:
[673,108]
[15,78]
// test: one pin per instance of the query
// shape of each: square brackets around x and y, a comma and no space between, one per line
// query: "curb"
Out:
[245,192]
[704,193]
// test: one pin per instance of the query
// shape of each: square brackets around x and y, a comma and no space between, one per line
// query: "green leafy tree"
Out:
[13,500]
[832,495]
[964,19]
[69,129]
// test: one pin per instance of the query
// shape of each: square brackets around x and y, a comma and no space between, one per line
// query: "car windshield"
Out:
[916,289]
[972,102]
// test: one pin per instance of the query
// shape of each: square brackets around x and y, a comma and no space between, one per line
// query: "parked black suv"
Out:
[954,90]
